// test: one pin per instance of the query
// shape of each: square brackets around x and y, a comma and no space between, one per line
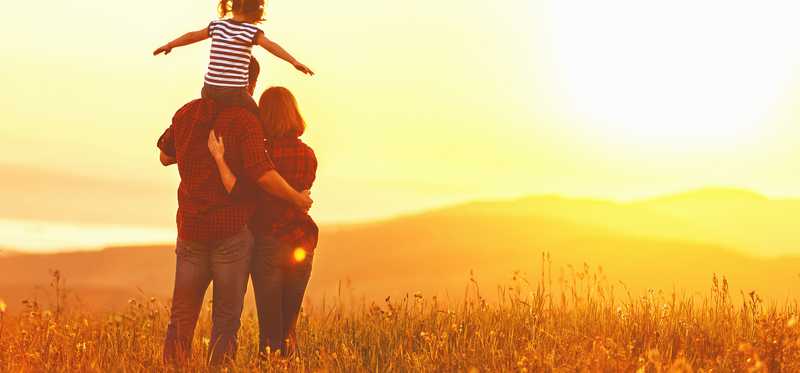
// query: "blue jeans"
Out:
[226,263]
[279,284]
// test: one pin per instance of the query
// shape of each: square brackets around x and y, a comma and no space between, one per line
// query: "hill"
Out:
[736,218]
[649,244]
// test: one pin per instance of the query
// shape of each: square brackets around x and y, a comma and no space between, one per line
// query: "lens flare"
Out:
[299,255]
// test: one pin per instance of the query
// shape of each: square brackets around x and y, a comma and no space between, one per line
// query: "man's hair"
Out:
[279,114]
[252,10]
[254,70]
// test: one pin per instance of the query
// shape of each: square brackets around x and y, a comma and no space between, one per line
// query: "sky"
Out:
[415,104]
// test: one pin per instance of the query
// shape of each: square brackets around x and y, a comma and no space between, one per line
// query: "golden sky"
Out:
[420,103]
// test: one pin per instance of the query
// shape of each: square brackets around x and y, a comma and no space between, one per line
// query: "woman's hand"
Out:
[216,147]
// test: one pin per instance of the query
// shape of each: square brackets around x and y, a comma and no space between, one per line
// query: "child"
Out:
[231,49]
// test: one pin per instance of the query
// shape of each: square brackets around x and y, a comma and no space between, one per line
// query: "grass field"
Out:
[582,323]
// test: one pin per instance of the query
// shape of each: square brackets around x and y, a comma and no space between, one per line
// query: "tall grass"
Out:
[578,324]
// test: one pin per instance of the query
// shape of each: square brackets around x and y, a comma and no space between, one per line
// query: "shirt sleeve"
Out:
[167,142]
[244,190]
[255,35]
[211,27]
[255,160]
[310,168]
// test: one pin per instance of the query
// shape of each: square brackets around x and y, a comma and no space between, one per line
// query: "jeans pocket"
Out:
[237,247]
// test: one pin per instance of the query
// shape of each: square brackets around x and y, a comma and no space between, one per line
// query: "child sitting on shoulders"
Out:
[232,40]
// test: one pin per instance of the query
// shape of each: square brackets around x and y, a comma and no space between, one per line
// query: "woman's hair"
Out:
[279,114]
[252,10]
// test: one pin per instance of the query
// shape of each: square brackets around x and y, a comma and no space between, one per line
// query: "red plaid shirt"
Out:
[206,212]
[279,219]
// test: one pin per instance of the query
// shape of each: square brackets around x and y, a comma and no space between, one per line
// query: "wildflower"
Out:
[792,322]
[206,341]
[2,306]
[745,348]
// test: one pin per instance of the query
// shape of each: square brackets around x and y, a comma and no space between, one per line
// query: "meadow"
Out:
[582,322]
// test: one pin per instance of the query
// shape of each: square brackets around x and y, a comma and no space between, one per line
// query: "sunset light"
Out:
[299,255]
[690,75]
[400,186]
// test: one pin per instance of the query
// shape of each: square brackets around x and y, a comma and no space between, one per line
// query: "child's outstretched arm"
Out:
[185,39]
[278,51]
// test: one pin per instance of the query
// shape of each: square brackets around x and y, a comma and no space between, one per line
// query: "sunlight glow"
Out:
[299,255]
[676,75]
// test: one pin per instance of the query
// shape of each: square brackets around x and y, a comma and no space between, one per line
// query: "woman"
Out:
[285,235]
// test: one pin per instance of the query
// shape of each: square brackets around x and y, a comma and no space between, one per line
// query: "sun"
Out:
[657,75]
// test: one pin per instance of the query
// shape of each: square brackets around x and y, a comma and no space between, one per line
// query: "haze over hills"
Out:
[741,219]
[734,218]
[675,242]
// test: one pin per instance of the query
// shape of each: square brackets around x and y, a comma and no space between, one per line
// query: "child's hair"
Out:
[279,113]
[252,10]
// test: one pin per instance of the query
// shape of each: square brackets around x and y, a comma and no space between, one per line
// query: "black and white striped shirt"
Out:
[231,47]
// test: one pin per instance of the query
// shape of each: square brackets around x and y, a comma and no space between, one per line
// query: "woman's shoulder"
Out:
[307,150]
[292,147]
[291,142]
[305,146]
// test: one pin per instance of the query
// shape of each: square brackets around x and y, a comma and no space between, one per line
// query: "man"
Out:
[214,243]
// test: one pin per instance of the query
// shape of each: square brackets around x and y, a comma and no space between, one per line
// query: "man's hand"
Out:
[274,184]
[216,147]
[163,49]
[166,160]
[304,200]
[303,68]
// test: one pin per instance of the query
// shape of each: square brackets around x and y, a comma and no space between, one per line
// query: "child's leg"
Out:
[231,96]
[224,95]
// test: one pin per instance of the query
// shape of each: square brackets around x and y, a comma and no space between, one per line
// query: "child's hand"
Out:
[165,49]
[303,68]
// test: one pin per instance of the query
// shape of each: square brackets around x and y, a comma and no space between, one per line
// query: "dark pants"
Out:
[227,264]
[279,283]
[231,96]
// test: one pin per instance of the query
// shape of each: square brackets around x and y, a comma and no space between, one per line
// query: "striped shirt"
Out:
[231,46]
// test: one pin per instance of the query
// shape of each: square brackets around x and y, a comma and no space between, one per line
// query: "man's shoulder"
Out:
[193,111]
[238,118]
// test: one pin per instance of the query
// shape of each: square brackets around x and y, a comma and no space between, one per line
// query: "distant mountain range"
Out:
[734,218]
[675,242]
